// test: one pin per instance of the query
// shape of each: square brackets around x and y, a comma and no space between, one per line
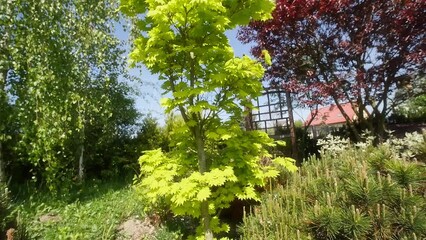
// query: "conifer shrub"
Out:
[351,192]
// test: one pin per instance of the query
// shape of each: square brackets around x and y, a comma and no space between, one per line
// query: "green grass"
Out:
[93,212]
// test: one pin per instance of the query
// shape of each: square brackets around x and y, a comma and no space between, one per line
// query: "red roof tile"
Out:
[330,115]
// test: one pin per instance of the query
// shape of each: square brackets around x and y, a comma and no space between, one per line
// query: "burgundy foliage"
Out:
[336,51]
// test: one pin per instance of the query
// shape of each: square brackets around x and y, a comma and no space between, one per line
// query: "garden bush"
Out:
[351,192]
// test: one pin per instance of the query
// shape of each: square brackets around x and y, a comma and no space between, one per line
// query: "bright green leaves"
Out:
[248,193]
[198,187]
[165,102]
[267,57]
[181,33]
[160,171]
[242,12]
[287,163]
[200,106]
[217,177]
[203,194]
[133,7]
[184,42]
[234,173]
[243,76]
[281,143]
[220,133]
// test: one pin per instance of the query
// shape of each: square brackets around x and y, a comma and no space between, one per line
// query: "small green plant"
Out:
[361,192]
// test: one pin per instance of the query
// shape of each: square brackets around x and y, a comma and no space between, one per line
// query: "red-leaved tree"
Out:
[338,51]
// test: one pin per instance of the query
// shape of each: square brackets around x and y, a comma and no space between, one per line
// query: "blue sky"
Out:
[150,93]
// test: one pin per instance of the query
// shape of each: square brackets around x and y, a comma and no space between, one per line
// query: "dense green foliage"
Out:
[152,136]
[351,192]
[234,173]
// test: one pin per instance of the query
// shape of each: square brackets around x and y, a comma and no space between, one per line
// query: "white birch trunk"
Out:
[2,165]
[81,164]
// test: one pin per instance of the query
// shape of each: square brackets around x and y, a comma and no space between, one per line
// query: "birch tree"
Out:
[60,64]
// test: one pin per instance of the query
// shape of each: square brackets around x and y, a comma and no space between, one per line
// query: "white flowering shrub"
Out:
[410,147]
[333,145]
[407,147]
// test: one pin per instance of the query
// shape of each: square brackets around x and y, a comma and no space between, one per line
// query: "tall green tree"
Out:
[213,160]
[60,66]
[150,135]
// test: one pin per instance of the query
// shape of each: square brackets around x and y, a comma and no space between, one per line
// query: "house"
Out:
[328,119]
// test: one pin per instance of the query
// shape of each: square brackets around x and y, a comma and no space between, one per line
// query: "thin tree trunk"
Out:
[81,153]
[379,128]
[349,121]
[292,127]
[248,120]
[202,167]
[81,164]
[3,103]
[2,163]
